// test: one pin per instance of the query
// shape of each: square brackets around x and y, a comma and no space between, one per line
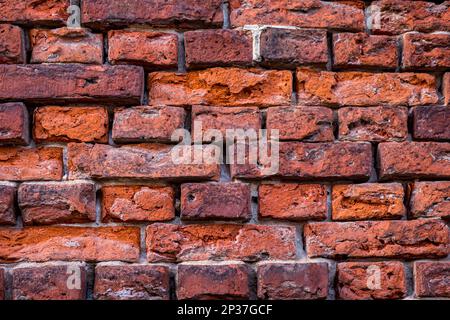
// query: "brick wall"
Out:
[93,207]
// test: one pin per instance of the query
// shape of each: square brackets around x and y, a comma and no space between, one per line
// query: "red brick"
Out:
[2,284]
[365,89]
[206,282]
[293,201]
[7,206]
[57,202]
[406,160]
[14,123]
[170,243]
[131,282]
[368,201]
[215,201]
[147,48]
[397,17]
[152,161]
[71,83]
[377,239]
[432,279]
[426,51]
[371,280]
[221,87]
[52,282]
[209,48]
[446,88]
[301,13]
[12,44]
[137,203]
[373,124]
[287,47]
[313,124]
[44,12]
[364,50]
[147,123]
[65,45]
[185,14]
[43,163]
[313,161]
[431,123]
[69,243]
[66,124]
[430,199]
[292,281]
[218,118]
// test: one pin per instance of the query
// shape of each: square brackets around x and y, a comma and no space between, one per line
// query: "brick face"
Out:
[141,146]
[66,45]
[221,86]
[59,282]
[134,282]
[12,44]
[170,243]
[150,49]
[14,123]
[71,124]
[206,48]
[213,282]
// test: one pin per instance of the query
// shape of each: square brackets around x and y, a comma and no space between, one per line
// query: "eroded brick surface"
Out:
[7,205]
[12,44]
[430,199]
[14,124]
[432,279]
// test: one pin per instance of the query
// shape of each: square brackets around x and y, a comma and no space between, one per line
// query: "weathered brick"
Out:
[396,17]
[2,284]
[153,161]
[287,47]
[430,199]
[204,282]
[169,243]
[368,201]
[131,282]
[293,201]
[7,207]
[43,163]
[12,44]
[405,160]
[44,12]
[66,45]
[377,239]
[206,118]
[301,13]
[185,14]
[57,202]
[426,51]
[71,83]
[313,124]
[364,50]
[147,48]
[292,281]
[371,280]
[215,201]
[69,243]
[446,88]
[221,87]
[14,123]
[219,47]
[66,124]
[313,161]
[49,282]
[431,123]
[432,279]
[137,203]
[365,89]
[147,123]
[373,124]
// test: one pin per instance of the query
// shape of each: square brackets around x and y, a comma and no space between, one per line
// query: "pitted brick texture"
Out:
[96,204]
